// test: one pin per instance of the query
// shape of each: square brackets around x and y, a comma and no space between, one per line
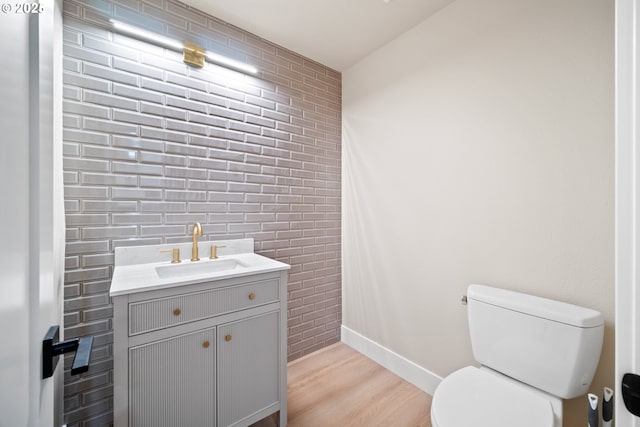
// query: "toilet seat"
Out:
[471,397]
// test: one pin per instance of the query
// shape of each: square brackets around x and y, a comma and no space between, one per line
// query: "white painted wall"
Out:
[479,147]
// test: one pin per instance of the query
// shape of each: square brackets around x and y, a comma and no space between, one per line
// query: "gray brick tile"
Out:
[207,207]
[86,274]
[137,94]
[260,160]
[186,104]
[109,100]
[74,248]
[163,16]
[191,173]
[245,127]
[217,111]
[70,92]
[135,142]
[154,182]
[186,127]
[207,141]
[163,111]
[135,194]
[86,55]
[243,227]
[195,184]
[185,218]
[97,260]
[85,165]
[163,135]
[109,74]
[70,150]
[244,167]
[168,61]
[109,126]
[226,217]
[86,192]
[208,98]
[85,219]
[136,219]
[108,206]
[109,233]
[196,162]
[137,68]
[163,206]
[109,153]
[226,134]
[71,65]
[103,179]
[249,157]
[136,168]
[188,82]
[187,196]
[70,36]
[225,197]
[80,81]
[206,119]
[231,95]
[136,118]
[163,230]
[159,86]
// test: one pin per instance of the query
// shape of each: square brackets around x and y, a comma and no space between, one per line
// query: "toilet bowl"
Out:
[517,339]
[474,397]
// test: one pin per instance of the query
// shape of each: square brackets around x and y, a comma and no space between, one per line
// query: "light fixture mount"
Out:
[193,54]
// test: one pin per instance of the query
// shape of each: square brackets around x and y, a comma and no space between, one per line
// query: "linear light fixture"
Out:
[192,53]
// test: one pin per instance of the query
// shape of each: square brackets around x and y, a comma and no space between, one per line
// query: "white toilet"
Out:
[533,352]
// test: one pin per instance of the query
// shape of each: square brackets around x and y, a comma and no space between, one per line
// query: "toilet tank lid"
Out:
[536,306]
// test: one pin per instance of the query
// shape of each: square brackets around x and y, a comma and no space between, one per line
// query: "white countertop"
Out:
[135,266]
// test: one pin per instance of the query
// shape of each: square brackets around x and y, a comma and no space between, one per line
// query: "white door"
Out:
[627,201]
[31,210]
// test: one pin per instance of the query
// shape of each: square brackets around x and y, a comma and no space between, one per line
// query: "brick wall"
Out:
[152,146]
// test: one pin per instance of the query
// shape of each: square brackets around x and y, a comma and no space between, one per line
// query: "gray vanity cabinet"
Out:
[209,354]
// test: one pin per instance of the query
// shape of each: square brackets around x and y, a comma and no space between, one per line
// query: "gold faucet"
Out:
[175,255]
[214,251]
[197,231]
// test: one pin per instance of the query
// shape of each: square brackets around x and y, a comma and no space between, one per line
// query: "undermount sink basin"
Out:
[196,268]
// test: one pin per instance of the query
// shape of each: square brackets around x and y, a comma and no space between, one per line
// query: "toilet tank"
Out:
[547,344]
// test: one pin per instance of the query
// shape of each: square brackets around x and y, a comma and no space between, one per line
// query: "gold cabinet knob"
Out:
[252,296]
[227,338]
[206,344]
[176,312]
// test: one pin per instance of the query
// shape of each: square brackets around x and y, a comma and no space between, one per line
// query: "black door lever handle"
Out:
[631,393]
[52,348]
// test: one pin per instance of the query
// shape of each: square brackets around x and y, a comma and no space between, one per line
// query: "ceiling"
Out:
[335,33]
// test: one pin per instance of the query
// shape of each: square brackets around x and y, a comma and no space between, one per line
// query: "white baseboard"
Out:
[422,378]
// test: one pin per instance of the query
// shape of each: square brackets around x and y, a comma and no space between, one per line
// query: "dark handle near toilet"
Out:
[52,348]
[631,393]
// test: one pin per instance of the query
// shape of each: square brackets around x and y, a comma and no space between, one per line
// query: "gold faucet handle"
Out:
[214,251]
[175,252]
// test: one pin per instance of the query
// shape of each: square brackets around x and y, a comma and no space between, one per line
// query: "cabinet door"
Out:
[172,382]
[248,369]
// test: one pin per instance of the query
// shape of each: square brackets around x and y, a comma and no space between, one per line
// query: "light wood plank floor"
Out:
[339,387]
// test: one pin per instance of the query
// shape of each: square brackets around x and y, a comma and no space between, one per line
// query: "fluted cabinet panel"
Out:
[248,368]
[172,382]
[159,313]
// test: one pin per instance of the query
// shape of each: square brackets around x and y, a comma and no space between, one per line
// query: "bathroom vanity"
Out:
[199,343]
